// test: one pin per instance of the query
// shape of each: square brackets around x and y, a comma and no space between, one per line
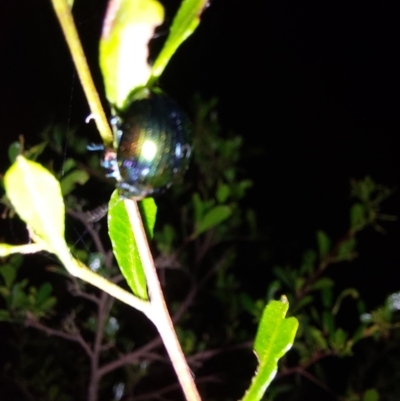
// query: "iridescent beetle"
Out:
[152,147]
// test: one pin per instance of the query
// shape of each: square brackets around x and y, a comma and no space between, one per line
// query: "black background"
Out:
[312,85]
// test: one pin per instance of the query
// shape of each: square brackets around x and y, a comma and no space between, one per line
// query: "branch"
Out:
[75,337]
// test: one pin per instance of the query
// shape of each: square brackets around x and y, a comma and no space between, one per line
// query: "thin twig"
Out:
[75,337]
[160,315]
[65,18]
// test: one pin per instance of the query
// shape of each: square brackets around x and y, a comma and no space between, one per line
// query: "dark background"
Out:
[312,85]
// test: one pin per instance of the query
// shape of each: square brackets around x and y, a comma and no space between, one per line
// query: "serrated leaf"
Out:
[324,244]
[212,218]
[127,28]
[124,246]
[185,22]
[69,181]
[274,338]
[36,196]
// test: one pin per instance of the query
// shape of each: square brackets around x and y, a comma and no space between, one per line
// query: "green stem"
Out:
[64,15]
[160,315]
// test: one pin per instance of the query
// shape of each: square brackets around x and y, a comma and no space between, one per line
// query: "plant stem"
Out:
[159,312]
[65,18]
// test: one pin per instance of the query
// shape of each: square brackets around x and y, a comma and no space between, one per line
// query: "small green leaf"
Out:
[5,316]
[324,244]
[9,273]
[14,150]
[346,250]
[357,216]
[274,338]
[69,181]
[185,22]
[148,209]
[318,337]
[324,282]
[212,218]
[124,246]
[44,292]
[223,193]
[371,395]
[328,322]
[36,196]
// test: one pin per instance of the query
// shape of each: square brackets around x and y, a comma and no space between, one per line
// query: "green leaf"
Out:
[185,22]
[5,316]
[324,244]
[357,216]
[69,181]
[318,337]
[212,218]
[148,210]
[36,196]
[9,273]
[371,395]
[14,150]
[274,338]
[322,283]
[223,193]
[346,249]
[124,246]
[127,28]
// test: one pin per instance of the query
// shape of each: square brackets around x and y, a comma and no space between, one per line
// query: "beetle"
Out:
[152,146]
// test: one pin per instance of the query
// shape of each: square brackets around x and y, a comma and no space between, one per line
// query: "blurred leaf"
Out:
[34,152]
[327,296]
[308,263]
[338,339]
[36,196]
[318,337]
[124,246]
[68,165]
[127,28]
[302,303]
[212,218]
[328,322]
[346,249]
[185,22]
[44,292]
[321,283]
[14,150]
[274,338]
[223,193]
[357,216]
[8,273]
[371,395]
[148,210]
[324,244]
[69,181]
[5,316]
